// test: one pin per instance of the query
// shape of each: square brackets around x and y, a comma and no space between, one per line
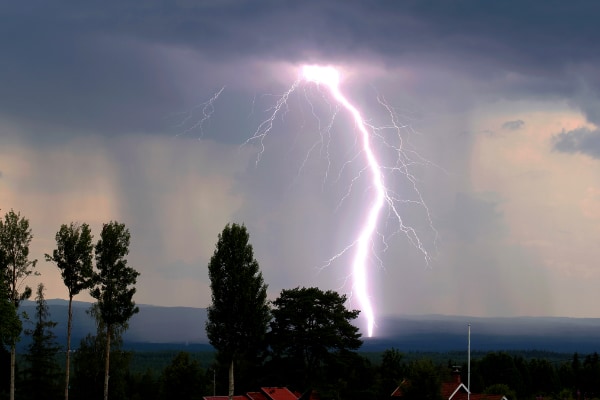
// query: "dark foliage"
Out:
[391,371]
[144,386]
[239,313]
[113,286]
[15,267]
[42,371]
[113,283]
[183,379]
[423,381]
[11,326]
[4,373]
[73,257]
[88,369]
[311,330]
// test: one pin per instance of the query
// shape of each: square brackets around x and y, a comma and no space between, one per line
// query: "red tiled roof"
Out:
[447,389]
[456,391]
[481,396]
[224,398]
[461,396]
[256,396]
[279,393]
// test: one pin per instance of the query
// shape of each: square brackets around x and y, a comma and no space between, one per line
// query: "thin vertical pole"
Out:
[469,367]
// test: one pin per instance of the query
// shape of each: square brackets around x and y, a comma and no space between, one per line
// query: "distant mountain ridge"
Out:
[449,333]
[158,327]
[153,324]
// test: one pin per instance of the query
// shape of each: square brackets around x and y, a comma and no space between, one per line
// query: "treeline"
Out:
[574,378]
[304,339]
[182,375]
[109,280]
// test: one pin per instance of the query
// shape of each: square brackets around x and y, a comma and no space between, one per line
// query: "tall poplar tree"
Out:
[73,256]
[113,284]
[15,237]
[239,314]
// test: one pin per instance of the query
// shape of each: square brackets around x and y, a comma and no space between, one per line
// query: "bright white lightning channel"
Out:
[329,77]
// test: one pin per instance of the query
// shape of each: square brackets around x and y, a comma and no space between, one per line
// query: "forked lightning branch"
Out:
[329,78]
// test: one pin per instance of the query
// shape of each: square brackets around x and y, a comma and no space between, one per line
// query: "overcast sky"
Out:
[105,114]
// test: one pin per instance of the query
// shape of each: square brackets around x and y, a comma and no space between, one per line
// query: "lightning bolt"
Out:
[206,109]
[329,78]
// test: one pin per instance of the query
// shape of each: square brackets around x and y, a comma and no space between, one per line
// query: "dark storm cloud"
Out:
[581,140]
[513,125]
[95,66]
[87,82]
[502,33]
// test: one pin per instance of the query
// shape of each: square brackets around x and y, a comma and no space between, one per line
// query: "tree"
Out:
[183,379]
[310,328]
[239,314]
[502,389]
[500,367]
[544,377]
[146,386]
[391,370]
[423,381]
[113,284]
[10,328]
[15,237]
[42,369]
[590,382]
[349,376]
[73,256]
[88,368]
[89,364]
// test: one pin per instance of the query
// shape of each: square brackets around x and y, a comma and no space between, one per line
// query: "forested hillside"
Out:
[162,328]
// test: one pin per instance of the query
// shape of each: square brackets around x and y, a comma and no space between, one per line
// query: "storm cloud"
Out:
[513,125]
[144,112]
[581,140]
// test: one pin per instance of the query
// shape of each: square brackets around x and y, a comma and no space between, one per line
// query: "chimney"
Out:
[456,374]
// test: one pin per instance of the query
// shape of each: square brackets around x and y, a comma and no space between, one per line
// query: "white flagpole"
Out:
[469,367]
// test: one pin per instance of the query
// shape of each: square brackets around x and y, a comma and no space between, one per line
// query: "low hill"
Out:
[153,325]
[441,333]
[156,327]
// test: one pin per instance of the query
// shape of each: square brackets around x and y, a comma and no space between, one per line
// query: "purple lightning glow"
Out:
[329,78]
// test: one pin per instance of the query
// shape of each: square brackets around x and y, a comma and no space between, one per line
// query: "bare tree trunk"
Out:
[230,380]
[68,362]
[107,364]
[13,356]
[13,347]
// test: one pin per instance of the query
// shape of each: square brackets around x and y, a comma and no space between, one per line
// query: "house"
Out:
[224,398]
[266,393]
[455,390]
[279,393]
